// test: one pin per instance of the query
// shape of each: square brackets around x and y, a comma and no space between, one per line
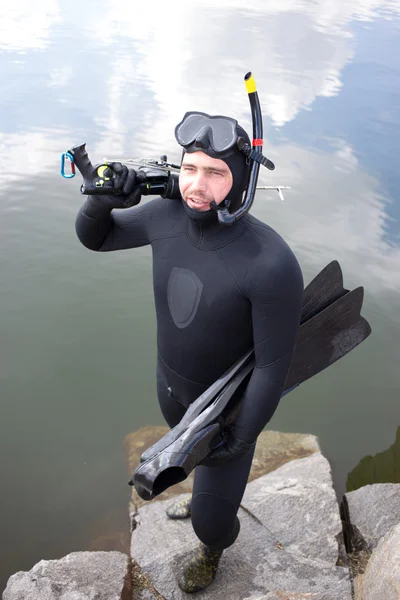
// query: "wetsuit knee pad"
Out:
[214,520]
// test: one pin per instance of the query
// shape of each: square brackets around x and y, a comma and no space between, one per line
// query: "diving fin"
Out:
[325,288]
[328,336]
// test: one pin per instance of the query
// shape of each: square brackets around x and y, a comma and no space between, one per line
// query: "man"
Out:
[219,291]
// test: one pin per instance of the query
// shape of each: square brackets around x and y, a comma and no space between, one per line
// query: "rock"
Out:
[142,587]
[286,596]
[77,576]
[275,448]
[289,547]
[258,566]
[382,575]
[369,513]
[297,503]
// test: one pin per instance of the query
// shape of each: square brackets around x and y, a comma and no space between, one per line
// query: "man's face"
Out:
[203,179]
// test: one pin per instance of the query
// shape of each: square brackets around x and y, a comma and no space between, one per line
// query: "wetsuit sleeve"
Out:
[103,229]
[276,297]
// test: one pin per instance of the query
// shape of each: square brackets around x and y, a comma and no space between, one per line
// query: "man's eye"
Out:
[216,173]
[188,169]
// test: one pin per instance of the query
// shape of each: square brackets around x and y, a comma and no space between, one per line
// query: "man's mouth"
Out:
[197,202]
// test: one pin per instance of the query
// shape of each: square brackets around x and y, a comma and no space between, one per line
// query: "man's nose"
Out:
[200,181]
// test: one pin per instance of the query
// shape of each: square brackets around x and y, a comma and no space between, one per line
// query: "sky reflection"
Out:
[121,83]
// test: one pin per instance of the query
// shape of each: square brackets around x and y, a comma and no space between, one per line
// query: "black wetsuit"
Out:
[219,291]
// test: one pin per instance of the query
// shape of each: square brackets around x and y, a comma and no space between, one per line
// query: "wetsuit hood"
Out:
[237,162]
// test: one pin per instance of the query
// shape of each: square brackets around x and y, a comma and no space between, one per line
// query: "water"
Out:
[78,328]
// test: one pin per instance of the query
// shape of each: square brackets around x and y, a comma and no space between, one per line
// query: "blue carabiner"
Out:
[71,158]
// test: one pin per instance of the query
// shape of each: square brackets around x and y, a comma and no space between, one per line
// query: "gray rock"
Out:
[142,587]
[370,512]
[77,576]
[145,595]
[297,503]
[275,448]
[382,575]
[291,596]
[256,564]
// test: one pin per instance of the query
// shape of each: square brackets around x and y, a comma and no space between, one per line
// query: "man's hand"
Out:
[231,449]
[124,184]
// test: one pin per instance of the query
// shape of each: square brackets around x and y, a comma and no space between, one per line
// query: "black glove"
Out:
[231,449]
[123,184]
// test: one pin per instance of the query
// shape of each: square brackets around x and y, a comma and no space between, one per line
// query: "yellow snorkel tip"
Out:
[250,83]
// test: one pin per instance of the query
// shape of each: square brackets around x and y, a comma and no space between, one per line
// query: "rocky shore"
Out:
[296,542]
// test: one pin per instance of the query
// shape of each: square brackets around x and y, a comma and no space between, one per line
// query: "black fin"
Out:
[328,336]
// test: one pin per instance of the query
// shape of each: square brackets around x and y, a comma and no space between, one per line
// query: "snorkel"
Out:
[254,153]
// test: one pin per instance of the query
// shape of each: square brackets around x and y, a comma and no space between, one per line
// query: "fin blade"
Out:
[328,336]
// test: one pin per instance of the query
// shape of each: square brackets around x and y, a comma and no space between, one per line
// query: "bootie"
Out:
[199,569]
[182,509]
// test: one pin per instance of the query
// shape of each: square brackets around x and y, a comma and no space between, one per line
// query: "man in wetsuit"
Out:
[219,291]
